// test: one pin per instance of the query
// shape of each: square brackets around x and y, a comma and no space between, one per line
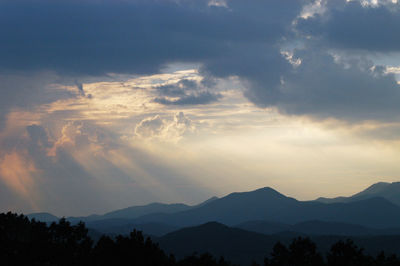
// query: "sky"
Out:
[107,104]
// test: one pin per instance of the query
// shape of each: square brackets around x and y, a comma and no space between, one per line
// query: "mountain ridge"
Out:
[264,204]
[241,246]
[389,191]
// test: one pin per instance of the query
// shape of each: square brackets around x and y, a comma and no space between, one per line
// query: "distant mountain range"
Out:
[246,225]
[315,228]
[264,210]
[241,246]
[388,191]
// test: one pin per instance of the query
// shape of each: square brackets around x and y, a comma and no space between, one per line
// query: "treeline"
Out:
[303,252]
[29,242]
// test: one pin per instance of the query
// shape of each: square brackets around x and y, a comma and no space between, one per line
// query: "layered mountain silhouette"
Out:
[363,214]
[241,246]
[389,191]
[237,245]
[315,228]
[268,204]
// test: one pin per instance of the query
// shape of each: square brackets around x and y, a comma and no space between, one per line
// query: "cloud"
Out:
[286,56]
[356,26]
[39,136]
[165,129]
[26,90]
[225,38]
[386,132]
[75,39]
[151,126]
[177,89]
[192,99]
[82,168]
[323,87]
[99,37]
[186,92]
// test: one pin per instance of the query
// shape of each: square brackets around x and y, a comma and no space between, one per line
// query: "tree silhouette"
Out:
[347,253]
[29,242]
[301,252]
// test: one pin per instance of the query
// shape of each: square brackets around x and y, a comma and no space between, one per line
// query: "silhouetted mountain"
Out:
[130,213]
[137,211]
[115,227]
[330,228]
[43,217]
[241,246]
[206,202]
[268,204]
[231,209]
[264,204]
[238,245]
[315,228]
[389,191]
[264,227]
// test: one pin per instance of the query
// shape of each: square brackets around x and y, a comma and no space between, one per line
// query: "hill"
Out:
[241,246]
[315,228]
[389,191]
[237,245]
[265,204]
[268,204]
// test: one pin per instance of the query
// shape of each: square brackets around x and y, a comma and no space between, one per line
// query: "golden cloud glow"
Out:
[136,150]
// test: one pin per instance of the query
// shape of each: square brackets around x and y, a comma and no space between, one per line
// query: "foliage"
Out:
[28,242]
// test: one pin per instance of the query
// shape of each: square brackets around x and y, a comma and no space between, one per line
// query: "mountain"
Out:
[43,217]
[137,211]
[206,202]
[389,191]
[268,204]
[237,245]
[264,227]
[241,246]
[231,209]
[315,228]
[265,204]
[125,226]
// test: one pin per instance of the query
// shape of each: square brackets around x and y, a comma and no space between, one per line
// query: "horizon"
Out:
[203,201]
[107,104]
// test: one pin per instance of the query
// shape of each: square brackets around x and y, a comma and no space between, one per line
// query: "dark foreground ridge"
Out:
[27,242]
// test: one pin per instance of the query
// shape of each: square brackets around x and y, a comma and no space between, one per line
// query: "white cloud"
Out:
[169,129]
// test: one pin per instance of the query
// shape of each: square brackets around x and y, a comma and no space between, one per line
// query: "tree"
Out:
[347,254]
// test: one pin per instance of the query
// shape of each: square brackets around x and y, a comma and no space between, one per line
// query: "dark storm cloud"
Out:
[97,37]
[191,99]
[350,25]
[244,39]
[177,89]
[186,92]
[321,87]
[80,38]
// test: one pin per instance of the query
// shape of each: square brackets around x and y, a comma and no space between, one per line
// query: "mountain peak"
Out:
[261,195]
[375,188]
[380,189]
[386,190]
[43,217]
[268,191]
